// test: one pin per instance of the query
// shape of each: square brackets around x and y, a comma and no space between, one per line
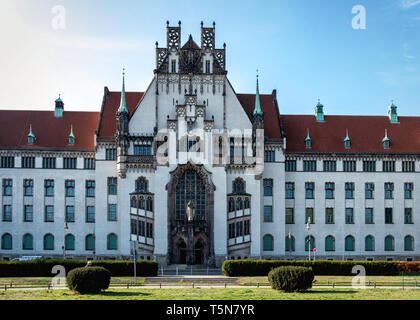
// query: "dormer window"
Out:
[347,142]
[207,66]
[386,141]
[31,136]
[173,66]
[72,138]
[71,141]
[308,141]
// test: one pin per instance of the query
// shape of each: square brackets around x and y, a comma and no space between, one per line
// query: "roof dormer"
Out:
[385,140]
[31,136]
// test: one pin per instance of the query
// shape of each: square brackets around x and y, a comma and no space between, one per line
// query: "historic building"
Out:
[189,171]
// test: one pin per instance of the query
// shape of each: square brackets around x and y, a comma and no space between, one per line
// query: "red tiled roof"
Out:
[51,133]
[365,132]
[272,127]
[107,124]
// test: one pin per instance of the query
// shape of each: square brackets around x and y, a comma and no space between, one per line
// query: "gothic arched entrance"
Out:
[190,215]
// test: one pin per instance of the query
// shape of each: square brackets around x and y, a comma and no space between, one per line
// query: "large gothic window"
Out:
[238,186]
[141,185]
[190,187]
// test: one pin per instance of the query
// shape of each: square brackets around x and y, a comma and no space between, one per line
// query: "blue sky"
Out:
[306,49]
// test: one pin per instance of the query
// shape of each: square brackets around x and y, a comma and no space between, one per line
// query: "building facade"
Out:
[190,172]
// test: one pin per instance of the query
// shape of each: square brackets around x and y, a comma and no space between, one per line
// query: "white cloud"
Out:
[408,4]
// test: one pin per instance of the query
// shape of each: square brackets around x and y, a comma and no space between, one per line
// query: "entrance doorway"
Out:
[199,252]
[182,251]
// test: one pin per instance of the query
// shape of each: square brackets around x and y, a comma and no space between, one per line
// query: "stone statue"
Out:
[190,211]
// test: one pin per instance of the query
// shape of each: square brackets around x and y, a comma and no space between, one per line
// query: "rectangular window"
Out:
[28,162]
[7,187]
[309,215]
[330,166]
[369,215]
[69,163]
[239,229]
[290,190]
[389,190]
[89,163]
[28,188]
[329,215]
[268,187]
[28,215]
[369,166]
[269,156]
[111,154]
[142,150]
[408,166]
[309,166]
[232,230]
[388,166]
[268,214]
[349,216]
[7,162]
[70,214]
[70,186]
[290,215]
[247,227]
[369,188]
[149,230]
[112,212]
[290,165]
[408,190]
[388,216]
[349,166]
[7,213]
[408,215]
[329,190]
[309,190]
[49,188]
[48,163]
[90,214]
[173,66]
[349,190]
[49,214]
[207,66]
[142,228]
[90,188]
[112,185]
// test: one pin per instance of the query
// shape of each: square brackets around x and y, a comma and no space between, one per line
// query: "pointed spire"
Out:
[257,108]
[72,138]
[123,104]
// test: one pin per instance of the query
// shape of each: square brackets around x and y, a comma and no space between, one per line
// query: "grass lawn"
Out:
[215,294]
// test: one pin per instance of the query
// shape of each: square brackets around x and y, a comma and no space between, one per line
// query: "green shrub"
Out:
[43,267]
[235,268]
[291,279]
[88,279]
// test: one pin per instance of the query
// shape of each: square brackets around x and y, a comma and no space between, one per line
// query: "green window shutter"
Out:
[27,242]
[290,244]
[329,243]
[69,243]
[49,242]
[6,243]
[268,243]
[408,243]
[312,242]
[389,243]
[90,243]
[112,242]
[369,243]
[349,243]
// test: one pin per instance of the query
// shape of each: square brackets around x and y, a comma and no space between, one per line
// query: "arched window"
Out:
[69,242]
[408,243]
[239,204]
[28,242]
[290,243]
[141,203]
[149,204]
[190,187]
[246,203]
[112,241]
[231,205]
[309,240]
[238,186]
[329,243]
[142,185]
[389,243]
[49,242]
[369,243]
[268,242]
[6,241]
[349,243]
[133,202]
[90,242]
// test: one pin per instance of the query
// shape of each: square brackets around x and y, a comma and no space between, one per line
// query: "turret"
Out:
[59,108]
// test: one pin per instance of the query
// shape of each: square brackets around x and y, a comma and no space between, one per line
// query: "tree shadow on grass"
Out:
[124,294]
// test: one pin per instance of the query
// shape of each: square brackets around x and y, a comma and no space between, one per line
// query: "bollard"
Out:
[225,284]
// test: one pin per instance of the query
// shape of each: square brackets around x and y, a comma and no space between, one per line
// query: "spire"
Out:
[123,104]
[257,109]
[31,136]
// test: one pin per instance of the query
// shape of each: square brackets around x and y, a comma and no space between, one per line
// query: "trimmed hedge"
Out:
[43,267]
[291,279]
[234,268]
[88,279]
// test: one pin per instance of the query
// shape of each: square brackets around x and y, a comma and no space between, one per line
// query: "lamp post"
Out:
[308,227]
